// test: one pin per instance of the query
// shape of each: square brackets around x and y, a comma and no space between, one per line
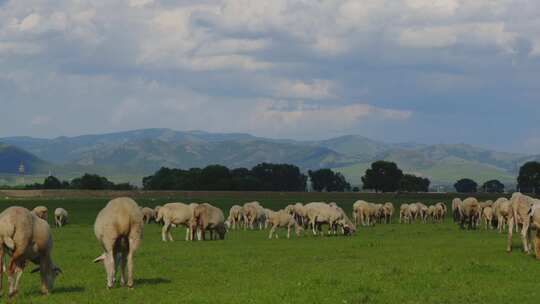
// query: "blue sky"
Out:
[418,70]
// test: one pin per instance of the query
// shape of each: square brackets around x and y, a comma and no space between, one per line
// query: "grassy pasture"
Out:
[418,263]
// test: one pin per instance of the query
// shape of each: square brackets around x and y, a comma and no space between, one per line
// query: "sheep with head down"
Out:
[469,212]
[254,215]
[208,218]
[456,202]
[388,212]
[283,219]
[26,237]
[236,215]
[405,215]
[148,214]
[119,229]
[521,206]
[60,217]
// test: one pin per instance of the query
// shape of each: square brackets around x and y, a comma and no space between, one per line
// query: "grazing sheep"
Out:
[41,212]
[361,212]
[207,217]
[254,214]
[456,202]
[148,214]
[441,209]
[487,215]
[119,229]
[469,212]
[236,216]
[422,212]
[431,213]
[321,213]
[520,205]
[388,212]
[347,226]
[300,214]
[504,211]
[60,217]
[267,214]
[173,215]
[26,237]
[405,215]
[415,211]
[283,219]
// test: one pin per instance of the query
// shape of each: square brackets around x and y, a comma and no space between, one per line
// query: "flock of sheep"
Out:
[26,236]
[520,212]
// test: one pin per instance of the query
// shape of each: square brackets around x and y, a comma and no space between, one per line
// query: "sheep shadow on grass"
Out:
[152,281]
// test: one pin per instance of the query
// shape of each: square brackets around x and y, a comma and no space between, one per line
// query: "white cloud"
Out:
[30,22]
[316,89]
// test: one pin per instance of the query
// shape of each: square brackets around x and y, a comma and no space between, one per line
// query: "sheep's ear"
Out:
[35,270]
[100,258]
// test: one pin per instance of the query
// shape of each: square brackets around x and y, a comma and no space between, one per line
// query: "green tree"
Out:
[215,177]
[279,177]
[52,182]
[412,183]
[91,182]
[529,178]
[382,176]
[466,185]
[493,186]
[328,180]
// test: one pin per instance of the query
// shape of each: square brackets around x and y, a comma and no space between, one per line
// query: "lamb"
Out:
[283,219]
[119,229]
[148,214]
[207,217]
[173,215]
[26,237]
[267,214]
[236,215]
[42,212]
[60,217]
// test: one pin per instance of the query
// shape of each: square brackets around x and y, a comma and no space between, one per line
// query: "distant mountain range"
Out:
[133,154]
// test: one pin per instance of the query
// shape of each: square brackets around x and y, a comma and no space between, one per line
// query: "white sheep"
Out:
[60,217]
[27,237]
[119,229]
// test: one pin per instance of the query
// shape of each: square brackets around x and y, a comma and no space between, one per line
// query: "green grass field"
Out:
[418,263]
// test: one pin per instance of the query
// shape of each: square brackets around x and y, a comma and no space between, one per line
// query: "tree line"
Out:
[85,182]
[381,176]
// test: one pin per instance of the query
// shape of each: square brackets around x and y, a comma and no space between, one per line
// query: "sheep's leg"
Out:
[510,231]
[289,232]
[271,232]
[188,234]
[165,231]
[524,237]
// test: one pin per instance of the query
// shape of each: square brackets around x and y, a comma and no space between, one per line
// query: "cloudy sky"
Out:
[429,71]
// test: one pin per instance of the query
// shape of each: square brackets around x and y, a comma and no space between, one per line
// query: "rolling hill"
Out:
[133,154]
[11,157]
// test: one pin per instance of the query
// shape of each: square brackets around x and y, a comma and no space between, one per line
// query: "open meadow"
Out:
[394,263]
